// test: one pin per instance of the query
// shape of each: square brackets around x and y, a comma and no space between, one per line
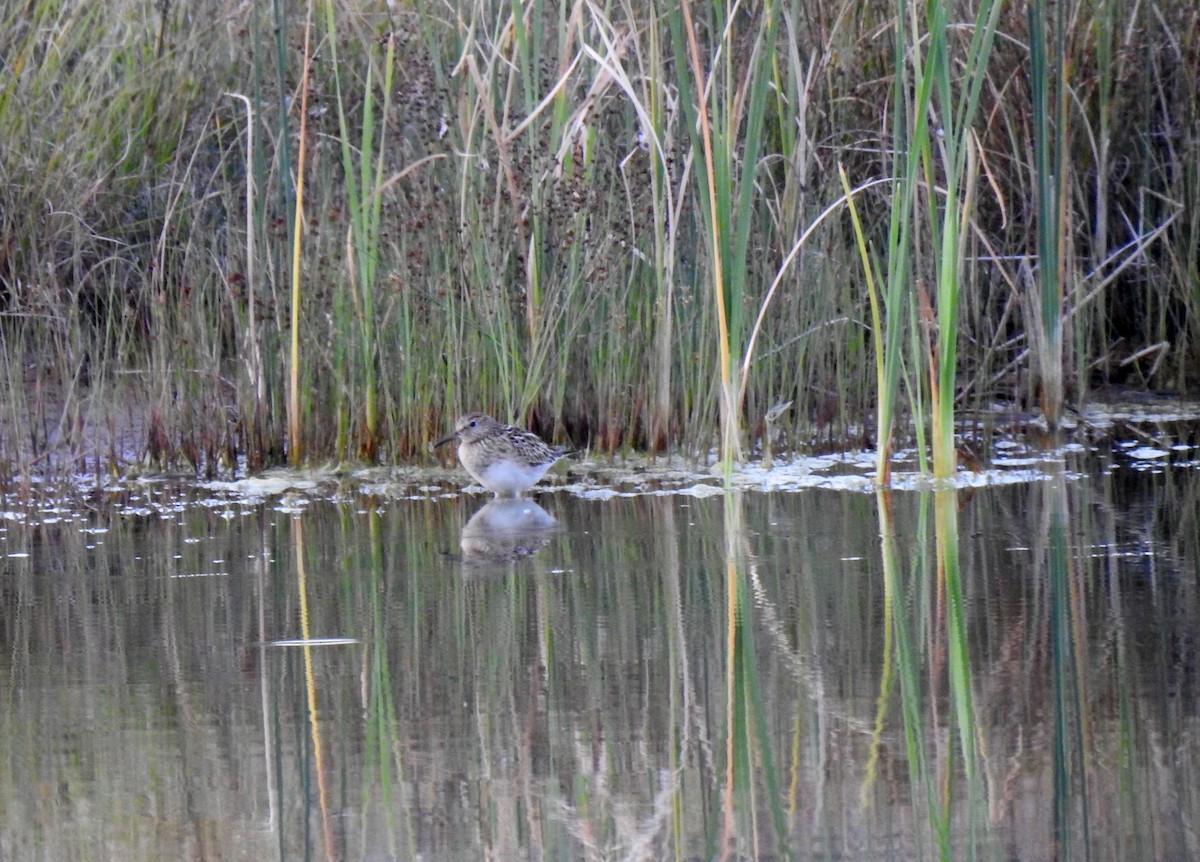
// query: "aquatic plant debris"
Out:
[1146,453]
[1146,438]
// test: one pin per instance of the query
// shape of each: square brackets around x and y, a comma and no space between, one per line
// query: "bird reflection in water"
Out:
[505,530]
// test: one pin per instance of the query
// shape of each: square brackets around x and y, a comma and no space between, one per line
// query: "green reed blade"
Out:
[1048,120]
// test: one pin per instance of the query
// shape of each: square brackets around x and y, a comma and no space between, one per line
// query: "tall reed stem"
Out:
[730,430]
[295,447]
[1049,118]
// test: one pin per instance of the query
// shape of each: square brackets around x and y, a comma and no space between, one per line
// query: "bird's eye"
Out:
[473,423]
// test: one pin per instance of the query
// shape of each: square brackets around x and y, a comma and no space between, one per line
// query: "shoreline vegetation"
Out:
[259,233]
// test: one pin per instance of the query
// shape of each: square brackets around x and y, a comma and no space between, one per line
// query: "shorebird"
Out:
[506,460]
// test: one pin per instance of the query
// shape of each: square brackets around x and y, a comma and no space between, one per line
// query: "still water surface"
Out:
[190,675]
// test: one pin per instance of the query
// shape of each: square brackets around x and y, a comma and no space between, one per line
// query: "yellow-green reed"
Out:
[931,133]
[886,350]
[730,102]
[948,156]
[363,170]
[295,444]
[717,238]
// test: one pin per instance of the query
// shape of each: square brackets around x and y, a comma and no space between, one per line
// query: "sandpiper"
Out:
[504,459]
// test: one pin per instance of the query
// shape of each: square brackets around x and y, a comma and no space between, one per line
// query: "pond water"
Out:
[1005,672]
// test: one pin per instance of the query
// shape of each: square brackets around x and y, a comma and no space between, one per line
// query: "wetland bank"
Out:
[855,562]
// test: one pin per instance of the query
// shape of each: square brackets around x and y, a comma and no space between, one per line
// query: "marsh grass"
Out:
[532,216]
